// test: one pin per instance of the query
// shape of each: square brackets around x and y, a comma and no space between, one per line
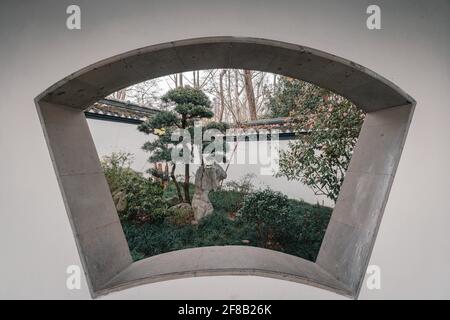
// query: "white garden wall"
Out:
[110,136]
[36,50]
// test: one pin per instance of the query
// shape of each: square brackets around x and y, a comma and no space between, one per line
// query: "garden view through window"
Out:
[224,157]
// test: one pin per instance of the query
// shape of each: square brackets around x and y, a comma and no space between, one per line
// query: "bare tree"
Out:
[221,95]
[144,93]
[120,95]
[251,101]
[180,79]
[238,95]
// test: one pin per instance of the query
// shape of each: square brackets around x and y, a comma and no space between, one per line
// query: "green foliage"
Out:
[268,210]
[298,231]
[231,198]
[189,105]
[265,218]
[155,238]
[162,124]
[180,215]
[304,229]
[163,119]
[228,201]
[160,150]
[218,230]
[220,126]
[171,191]
[214,230]
[116,168]
[286,225]
[144,198]
[136,255]
[327,128]
[191,102]
[288,94]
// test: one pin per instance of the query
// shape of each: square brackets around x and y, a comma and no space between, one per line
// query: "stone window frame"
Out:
[350,236]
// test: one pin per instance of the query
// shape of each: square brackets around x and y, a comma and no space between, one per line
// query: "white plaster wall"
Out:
[116,137]
[113,137]
[412,50]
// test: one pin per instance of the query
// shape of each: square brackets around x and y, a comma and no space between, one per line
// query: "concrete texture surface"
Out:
[351,234]
[227,260]
[362,86]
[86,194]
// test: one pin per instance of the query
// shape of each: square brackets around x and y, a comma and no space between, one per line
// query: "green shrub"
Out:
[290,226]
[231,198]
[228,201]
[304,231]
[116,168]
[144,198]
[180,215]
[269,211]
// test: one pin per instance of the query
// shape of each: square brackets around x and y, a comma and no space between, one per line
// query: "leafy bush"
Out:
[231,198]
[320,157]
[268,210]
[144,198]
[285,99]
[180,215]
[228,201]
[116,168]
[291,226]
[304,229]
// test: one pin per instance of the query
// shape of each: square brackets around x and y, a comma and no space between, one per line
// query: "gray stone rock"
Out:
[173,201]
[207,178]
[120,201]
[180,214]
[181,207]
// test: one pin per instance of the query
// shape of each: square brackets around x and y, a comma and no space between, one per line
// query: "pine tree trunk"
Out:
[187,196]
[177,185]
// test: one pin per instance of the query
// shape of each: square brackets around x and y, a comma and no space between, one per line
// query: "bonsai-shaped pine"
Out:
[189,105]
